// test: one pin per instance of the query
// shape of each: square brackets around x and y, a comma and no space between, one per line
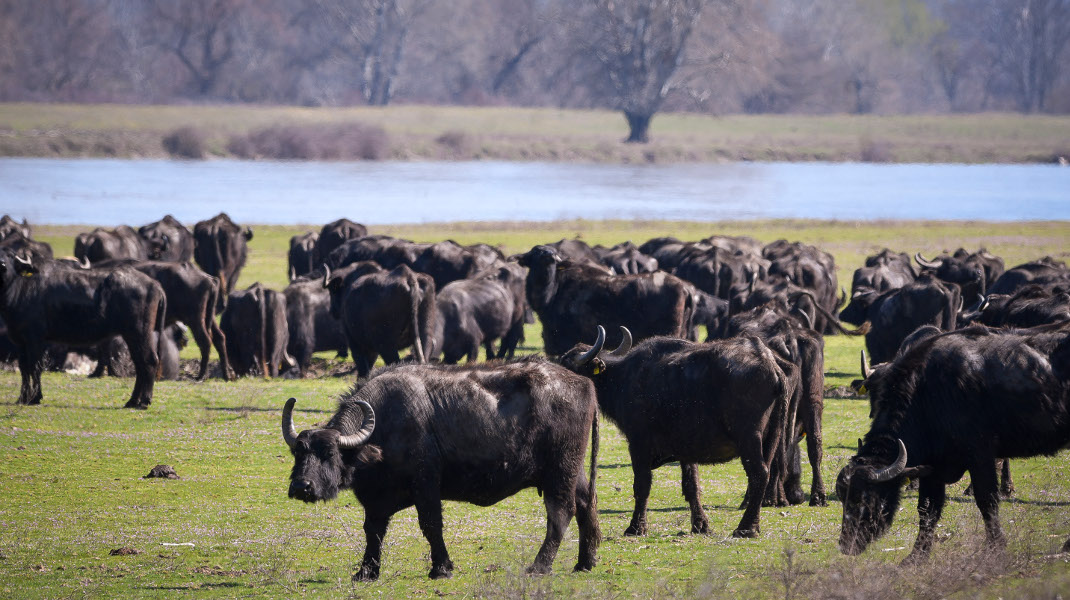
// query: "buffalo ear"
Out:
[26,269]
[248,233]
[369,455]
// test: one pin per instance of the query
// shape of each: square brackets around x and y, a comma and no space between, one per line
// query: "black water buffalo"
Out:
[334,234]
[446,262]
[1043,270]
[420,434]
[669,251]
[572,300]
[101,244]
[9,226]
[1031,305]
[311,326]
[716,270]
[17,244]
[388,251]
[710,311]
[192,296]
[676,400]
[973,273]
[49,301]
[795,341]
[304,257]
[955,402]
[385,311]
[474,313]
[113,356]
[254,323]
[221,249]
[810,268]
[626,259]
[894,314]
[167,240]
[883,271]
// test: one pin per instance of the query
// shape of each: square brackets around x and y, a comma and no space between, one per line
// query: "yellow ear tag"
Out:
[597,369]
[862,389]
[27,273]
[560,267]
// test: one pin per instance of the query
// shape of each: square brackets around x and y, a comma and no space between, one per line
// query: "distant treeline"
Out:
[637,56]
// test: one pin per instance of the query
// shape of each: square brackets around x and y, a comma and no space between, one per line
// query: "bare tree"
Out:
[1031,40]
[201,34]
[638,45]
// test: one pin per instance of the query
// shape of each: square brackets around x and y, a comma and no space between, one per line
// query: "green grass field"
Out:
[71,487]
[459,133]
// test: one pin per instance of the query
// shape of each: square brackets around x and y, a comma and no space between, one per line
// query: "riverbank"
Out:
[497,133]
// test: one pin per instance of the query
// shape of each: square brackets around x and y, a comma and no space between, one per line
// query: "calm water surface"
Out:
[110,192]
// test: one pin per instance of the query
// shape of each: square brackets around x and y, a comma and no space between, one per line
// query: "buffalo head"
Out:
[541,285]
[588,360]
[869,490]
[324,459]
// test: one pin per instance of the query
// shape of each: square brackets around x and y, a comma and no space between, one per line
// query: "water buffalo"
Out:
[308,317]
[952,403]
[9,226]
[973,273]
[626,259]
[474,313]
[304,257]
[221,249]
[254,323]
[894,314]
[15,243]
[101,245]
[883,271]
[572,300]
[420,434]
[676,400]
[49,301]
[167,240]
[334,234]
[1043,270]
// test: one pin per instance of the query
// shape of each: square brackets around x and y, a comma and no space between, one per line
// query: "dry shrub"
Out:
[185,142]
[875,151]
[456,143]
[352,141]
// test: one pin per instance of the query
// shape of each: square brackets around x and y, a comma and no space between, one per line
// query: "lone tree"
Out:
[638,45]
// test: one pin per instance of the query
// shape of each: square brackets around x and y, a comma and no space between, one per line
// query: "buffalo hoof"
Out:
[366,573]
[136,405]
[745,533]
[1006,491]
[443,571]
[31,402]
[538,570]
[700,526]
[635,530]
[585,566]
[818,499]
[914,559]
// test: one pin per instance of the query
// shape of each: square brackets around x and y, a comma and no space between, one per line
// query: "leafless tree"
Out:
[201,34]
[1031,39]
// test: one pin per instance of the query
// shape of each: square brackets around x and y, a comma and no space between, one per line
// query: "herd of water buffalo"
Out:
[970,364]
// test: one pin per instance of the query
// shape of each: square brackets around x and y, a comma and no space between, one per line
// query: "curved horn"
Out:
[859,445]
[293,273]
[893,470]
[22,260]
[366,428]
[865,366]
[326,275]
[932,264]
[984,304]
[843,296]
[625,343]
[595,349]
[807,321]
[289,432]
[84,263]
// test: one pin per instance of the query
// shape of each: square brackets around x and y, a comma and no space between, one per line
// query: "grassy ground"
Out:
[423,132]
[71,490]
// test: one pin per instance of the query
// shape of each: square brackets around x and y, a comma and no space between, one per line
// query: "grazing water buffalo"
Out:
[475,312]
[952,403]
[254,323]
[383,312]
[221,249]
[303,258]
[16,244]
[572,300]
[52,302]
[973,273]
[336,233]
[675,400]
[1031,305]
[167,240]
[894,314]
[308,317]
[9,226]
[446,262]
[809,268]
[802,346]
[883,271]
[1043,271]
[101,245]
[626,259]
[389,252]
[420,434]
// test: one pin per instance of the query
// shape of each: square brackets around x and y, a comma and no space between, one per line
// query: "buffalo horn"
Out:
[893,470]
[326,274]
[865,366]
[22,260]
[595,349]
[932,264]
[289,433]
[293,273]
[859,445]
[843,296]
[807,321]
[84,263]
[366,428]
[625,342]
[984,304]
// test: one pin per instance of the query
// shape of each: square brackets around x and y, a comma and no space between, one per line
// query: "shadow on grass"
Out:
[664,509]
[244,409]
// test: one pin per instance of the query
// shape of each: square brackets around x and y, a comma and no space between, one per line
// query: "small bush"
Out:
[353,141]
[185,142]
[456,143]
[875,151]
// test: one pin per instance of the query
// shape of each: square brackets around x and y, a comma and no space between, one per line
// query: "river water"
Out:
[111,191]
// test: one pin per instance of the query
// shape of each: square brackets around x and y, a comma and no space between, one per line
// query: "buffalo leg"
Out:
[374,533]
[30,358]
[220,342]
[932,494]
[587,520]
[1006,486]
[146,363]
[986,495]
[815,453]
[203,338]
[429,513]
[642,476]
[391,356]
[560,506]
[491,350]
[473,352]
[693,494]
[758,474]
